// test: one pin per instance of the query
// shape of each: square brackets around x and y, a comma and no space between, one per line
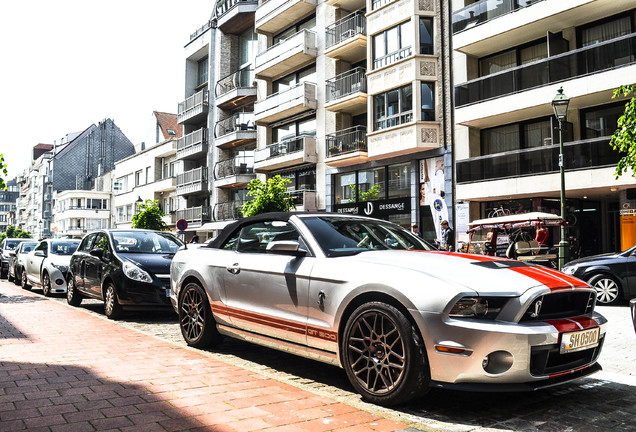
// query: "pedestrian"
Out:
[448,236]
[195,239]
[415,230]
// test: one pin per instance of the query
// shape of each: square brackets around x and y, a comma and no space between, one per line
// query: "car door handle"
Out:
[234,268]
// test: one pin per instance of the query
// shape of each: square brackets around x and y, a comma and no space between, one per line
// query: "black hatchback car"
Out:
[612,275]
[126,268]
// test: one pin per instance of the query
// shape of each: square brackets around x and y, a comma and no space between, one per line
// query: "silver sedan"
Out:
[372,298]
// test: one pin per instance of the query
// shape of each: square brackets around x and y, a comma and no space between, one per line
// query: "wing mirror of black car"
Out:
[97,252]
[286,247]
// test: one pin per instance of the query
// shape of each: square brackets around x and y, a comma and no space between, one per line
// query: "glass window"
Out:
[343,191]
[202,72]
[602,121]
[368,179]
[307,24]
[500,139]
[536,134]
[247,48]
[400,180]
[606,31]
[428,102]
[255,237]
[391,45]
[426,36]
[393,108]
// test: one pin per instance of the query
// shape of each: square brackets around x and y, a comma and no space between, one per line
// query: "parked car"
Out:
[125,268]
[7,245]
[46,266]
[17,259]
[372,298]
[612,275]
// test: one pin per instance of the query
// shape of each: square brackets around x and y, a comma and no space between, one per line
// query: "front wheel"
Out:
[112,308]
[198,326]
[608,289]
[383,355]
[73,297]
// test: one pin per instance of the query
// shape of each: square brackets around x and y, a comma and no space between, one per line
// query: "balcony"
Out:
[347,38]
[235,131]
[228,210]
[585,154]
[194,145]
[347,147]
[195,215]
[236,89]
[403,137]
[193,181]
[347,92]
[349,5]
[597,58]
[167,184]
[485,10]
[287,55]
[287,153]
[286,103]
[305,200]
[235,16]
[194,109]
[273,16]
[231,173]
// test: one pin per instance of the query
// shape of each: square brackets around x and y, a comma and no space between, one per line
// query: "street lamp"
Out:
[560,106]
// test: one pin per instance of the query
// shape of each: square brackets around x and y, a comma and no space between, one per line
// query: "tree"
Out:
[624,139]
[371,195]
[13,232]
[3,171]
[271,196]
[150,217]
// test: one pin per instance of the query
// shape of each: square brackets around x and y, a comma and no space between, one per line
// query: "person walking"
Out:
[448,236]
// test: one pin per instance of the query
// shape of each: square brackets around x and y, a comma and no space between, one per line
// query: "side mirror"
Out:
[286,247]
[97,252]
[39,253]
[12,253]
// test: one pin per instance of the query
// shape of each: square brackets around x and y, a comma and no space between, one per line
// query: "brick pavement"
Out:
[65,370]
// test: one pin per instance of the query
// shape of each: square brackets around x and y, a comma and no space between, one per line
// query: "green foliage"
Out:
[624,139]
[150,217]
[271,196]
[3,172]
[13,232]
[371,195]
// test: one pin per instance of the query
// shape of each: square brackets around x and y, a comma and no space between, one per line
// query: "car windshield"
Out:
[12,244]
[145,242]
[64,247]
[340,236]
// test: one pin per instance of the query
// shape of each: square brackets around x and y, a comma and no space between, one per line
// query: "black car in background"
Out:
[6,247]
[612,275]
[126,268]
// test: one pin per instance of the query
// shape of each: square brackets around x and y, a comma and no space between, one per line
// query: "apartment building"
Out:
[78,212]
[149,174]
[8,200]
[336,96]
[510,58]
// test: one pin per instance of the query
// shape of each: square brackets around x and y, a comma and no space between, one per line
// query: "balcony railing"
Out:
[485,10]
[205,27]
[240,79]
[376,4]
[291,101]
[228,210]
[234,167]
[347,141]
[280,59]
[392,57]
[304,198]
[608,55]
[346,83]
[195,214]
[282,148]
[223,6]
[196,177]
[345,28]
[195,104]
[193,143]
[242,121]
[591,153]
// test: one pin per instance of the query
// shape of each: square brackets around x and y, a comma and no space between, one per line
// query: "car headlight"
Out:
[61,267]
[570,269]
[135,273]
[477,307]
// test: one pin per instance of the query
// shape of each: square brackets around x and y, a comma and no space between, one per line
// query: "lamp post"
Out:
[560,106]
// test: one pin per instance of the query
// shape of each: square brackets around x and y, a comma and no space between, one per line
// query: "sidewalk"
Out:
[65,370]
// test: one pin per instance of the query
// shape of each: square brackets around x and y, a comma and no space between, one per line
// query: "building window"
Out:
[392,45]
[426,36]
[393,108]
[307,24]
[138,178]
[428,101]
[518,56]
[601,121]
[293,79]
[597,33]
[202,72]
[517,136]
[248,43]
[399,180]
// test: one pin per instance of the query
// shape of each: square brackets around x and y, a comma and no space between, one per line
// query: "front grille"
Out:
[547,360]
[564,304]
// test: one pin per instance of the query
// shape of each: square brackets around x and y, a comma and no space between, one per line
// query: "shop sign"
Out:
[379,208]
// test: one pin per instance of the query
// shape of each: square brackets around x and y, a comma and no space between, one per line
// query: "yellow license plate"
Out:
[579,340]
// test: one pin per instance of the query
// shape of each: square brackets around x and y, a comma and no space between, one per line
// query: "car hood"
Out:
[154,263]
[59,259]
[594,258]
[483,274]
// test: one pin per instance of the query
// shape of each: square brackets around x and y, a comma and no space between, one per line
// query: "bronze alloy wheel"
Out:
[195,318]
[384,357]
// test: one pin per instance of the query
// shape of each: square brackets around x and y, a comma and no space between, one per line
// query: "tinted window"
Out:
[27,247]
[255,237]
[11,244]
[146,242]
[64,247]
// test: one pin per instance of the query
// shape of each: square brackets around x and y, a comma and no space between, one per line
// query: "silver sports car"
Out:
[374,299]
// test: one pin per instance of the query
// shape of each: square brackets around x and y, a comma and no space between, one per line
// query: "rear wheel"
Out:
[46,284]
[73,297]
[198,326]
[24,282]
[383,355]
[608,289]
[112,308]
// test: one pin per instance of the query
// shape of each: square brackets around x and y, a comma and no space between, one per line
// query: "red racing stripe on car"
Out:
[572,324]
[554,280]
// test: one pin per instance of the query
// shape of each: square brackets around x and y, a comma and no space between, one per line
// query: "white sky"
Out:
[67,64]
